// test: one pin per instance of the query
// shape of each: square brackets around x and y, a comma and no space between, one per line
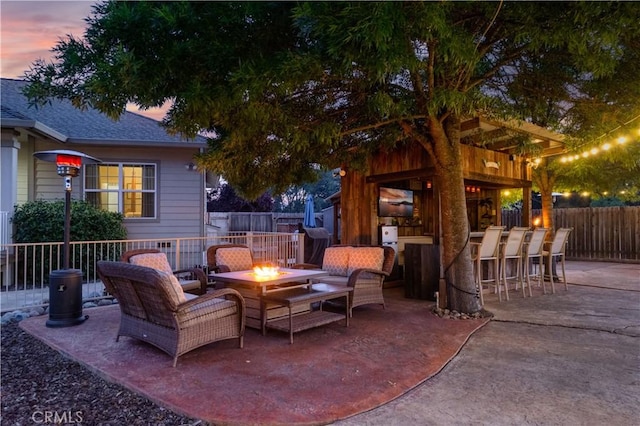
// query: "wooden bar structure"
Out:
[491,164]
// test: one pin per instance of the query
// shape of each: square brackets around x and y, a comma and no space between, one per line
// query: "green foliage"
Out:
[226,199]
[43,221]
[613,173]
[607,202]
[293,200]
[511,199]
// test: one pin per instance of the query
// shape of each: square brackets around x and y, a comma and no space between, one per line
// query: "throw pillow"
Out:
[366,257]
[236,258]
[174,289]
[336,260]
[157,261]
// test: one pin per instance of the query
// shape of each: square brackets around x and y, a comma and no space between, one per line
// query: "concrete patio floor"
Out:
[572,358]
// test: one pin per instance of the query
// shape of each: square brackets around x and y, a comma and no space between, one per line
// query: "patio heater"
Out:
[65,285]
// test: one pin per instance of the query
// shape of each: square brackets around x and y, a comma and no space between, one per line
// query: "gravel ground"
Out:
[40,386]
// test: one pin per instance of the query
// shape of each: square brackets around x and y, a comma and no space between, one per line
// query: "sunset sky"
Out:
[29,29]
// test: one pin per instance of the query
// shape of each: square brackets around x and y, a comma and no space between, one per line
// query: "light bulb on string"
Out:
[620,140]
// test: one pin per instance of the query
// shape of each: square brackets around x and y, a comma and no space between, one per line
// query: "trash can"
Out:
[65,298]
[421,271]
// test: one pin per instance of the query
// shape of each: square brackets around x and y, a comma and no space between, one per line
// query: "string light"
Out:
[621,140]
[585,193]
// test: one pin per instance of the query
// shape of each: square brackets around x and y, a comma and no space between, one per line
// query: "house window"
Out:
[128,188]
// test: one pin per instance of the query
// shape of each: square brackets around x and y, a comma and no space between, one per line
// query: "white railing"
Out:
[26,267]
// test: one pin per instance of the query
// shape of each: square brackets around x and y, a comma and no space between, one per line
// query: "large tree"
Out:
[591,109]
[287,85]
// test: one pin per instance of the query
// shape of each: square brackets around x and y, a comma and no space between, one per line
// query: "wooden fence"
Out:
[262,222]
[599,233]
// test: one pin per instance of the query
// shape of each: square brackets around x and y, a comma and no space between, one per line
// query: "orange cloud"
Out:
[30,29]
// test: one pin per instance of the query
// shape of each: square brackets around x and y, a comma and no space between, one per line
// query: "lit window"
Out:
[127,188]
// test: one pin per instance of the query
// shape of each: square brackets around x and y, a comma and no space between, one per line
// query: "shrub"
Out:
[43,221]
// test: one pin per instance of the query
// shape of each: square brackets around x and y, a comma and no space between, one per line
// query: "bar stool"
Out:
[556,251]
[512,250]
[533,251]
[487,251]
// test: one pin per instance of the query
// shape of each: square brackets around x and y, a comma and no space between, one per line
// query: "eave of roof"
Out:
[497,139]
[36,126]
[133,142]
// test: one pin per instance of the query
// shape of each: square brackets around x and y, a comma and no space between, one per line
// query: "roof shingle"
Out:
[63,117]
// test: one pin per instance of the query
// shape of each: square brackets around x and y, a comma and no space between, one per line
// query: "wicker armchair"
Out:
[229,257]
[347,265]
[192,280]
[153,311]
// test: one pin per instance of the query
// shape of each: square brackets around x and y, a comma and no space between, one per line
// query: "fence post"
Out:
[300,254]
[178,264]
[249,236]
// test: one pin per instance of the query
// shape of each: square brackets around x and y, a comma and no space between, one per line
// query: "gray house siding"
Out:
[25,169]
[180,192]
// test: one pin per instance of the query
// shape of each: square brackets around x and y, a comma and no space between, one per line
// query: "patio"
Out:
[568,358]
[329,373]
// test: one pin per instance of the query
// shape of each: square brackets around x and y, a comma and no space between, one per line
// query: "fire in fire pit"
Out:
[266,271]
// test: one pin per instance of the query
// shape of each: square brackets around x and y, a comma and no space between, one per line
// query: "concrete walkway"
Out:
[571,358]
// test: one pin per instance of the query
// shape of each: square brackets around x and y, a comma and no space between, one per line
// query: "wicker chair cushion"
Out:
[336,260]
[189,284]
[190,296]
[235,258]
[202,312]
[159,262]
[365,257]
[175,290]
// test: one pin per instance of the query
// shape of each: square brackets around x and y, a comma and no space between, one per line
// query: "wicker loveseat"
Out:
[363,268]
[155,310]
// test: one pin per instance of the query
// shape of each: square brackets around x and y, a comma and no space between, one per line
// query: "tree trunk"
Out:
[544,178]
[462,294]
[547,209]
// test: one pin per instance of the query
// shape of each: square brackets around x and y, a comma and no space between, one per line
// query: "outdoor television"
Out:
[395,202]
